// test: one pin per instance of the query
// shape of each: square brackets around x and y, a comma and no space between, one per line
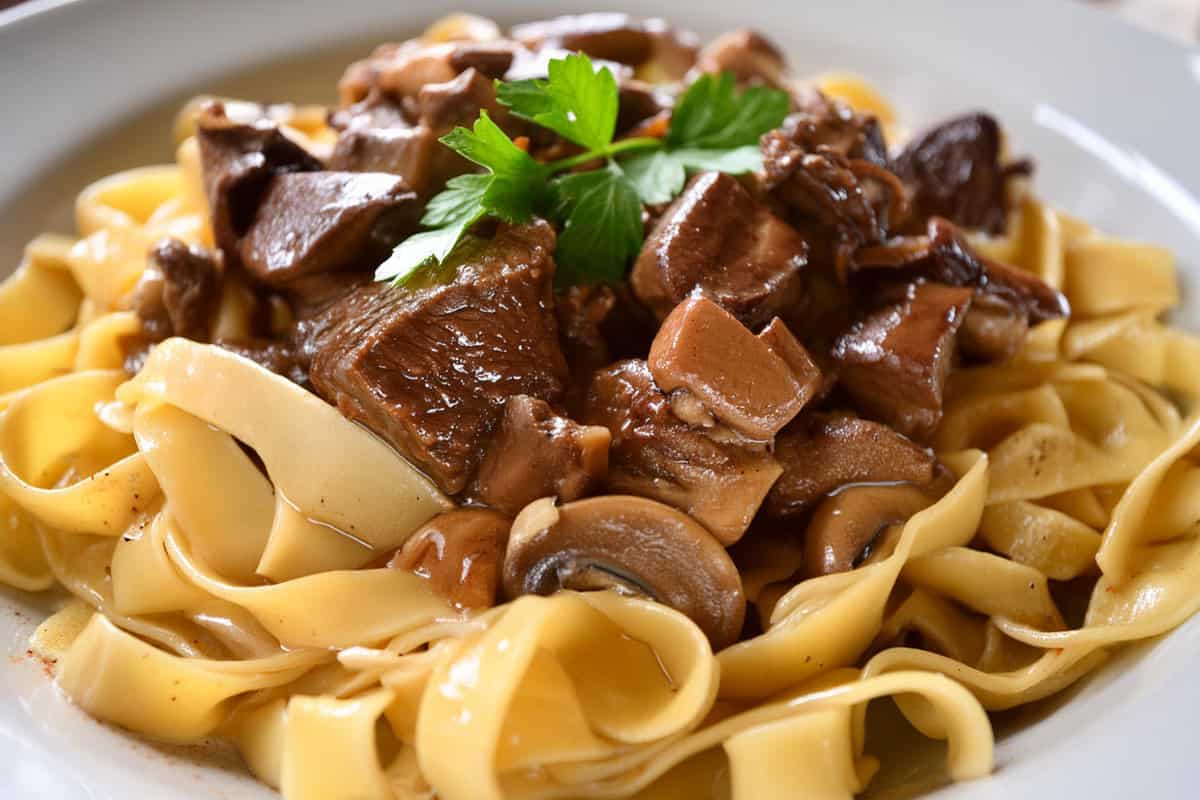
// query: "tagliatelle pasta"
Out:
[222,534]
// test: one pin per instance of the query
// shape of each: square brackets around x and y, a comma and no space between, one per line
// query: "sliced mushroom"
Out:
[955,170]
[459,552]
[846,523]
[821,452]
[945,255]
[630,544]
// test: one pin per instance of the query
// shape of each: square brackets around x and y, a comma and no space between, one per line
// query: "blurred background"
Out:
[1178,19]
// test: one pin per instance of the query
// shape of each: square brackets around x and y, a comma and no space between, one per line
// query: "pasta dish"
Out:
[582,411]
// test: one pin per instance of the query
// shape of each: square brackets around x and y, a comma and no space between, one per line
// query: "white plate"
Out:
[1111,114]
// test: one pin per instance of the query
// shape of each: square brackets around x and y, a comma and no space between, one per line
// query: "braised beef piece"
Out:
[373,111]
[314,222]
[944,255]
[720,241]
[238,161]
[713,474]
[401,150]
[894,363]
[599,324]
[839,203]
[823,452]
[281,217]
[993,329]
[280,357]
[537,453]
[179,291]
[751,57]
[614,37]
[429,366]
[443,106]
[404,97]
[753,384]
[178,294]
[823,122]
[953,170]
[581,310]
[378,135]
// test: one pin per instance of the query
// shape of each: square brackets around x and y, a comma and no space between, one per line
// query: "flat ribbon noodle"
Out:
[828,622]
[324,464]
[60,462]
[211,598]
[119,678]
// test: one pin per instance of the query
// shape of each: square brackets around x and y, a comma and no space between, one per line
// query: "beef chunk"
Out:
[191,286]
[944,255]
[280,357]
[894,363]
[822,122]
[614,37]
[238,160]
[443,106]
[536,453]
[598,324]
[823,452]
[179,292]
[953,170]
[429,366]
[739,377]
[751,57]
[712,474]
[993,330]
[370,144]
[315,222]
[717,239]
[278,214]
[378,136]
[581,310]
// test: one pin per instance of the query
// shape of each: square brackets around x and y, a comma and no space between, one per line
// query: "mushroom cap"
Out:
[630,544]
[850,520]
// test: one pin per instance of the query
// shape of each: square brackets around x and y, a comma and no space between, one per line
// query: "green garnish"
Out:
[713,127]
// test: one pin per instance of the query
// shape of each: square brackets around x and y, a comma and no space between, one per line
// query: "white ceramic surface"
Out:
[1111,114]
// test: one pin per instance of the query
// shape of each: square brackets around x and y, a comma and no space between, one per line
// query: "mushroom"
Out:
[850,520]
[633,545]
[459,552]
[750,56]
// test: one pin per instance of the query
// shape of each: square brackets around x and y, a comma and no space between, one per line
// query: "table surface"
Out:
[1178,19]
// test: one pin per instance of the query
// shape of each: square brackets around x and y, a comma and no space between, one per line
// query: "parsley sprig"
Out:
[599,210]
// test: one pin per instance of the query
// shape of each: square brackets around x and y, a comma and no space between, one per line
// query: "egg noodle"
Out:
[211,599]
